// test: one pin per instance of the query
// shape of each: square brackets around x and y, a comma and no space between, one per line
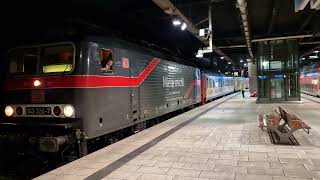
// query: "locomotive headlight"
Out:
[68,110]
[37,83]
[8,111]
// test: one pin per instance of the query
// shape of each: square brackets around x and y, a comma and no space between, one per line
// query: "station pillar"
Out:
[277,71]
[252,73]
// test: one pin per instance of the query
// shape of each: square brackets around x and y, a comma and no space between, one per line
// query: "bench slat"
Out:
[265,121]
[261,121]
[292,120]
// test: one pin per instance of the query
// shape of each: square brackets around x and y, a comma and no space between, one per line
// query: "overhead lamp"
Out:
[316,51]
[313,57]
[303,58]
[176,22]
[221,57]
[184,26]
[229,62]
[241,60]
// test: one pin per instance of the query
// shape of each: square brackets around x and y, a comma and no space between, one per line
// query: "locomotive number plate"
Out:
[38,110]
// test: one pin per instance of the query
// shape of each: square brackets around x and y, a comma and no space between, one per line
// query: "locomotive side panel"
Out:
[169,87]
[105,108]
[150,86]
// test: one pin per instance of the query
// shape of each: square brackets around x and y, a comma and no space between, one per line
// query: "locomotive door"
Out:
[134,92]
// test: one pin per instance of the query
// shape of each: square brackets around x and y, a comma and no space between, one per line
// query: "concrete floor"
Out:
[224,143]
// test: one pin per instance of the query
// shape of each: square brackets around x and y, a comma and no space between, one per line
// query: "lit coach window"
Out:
[106,60]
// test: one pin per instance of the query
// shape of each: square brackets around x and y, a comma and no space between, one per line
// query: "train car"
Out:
[65,93]
[309,80]
[215,85]
[218,85]
[238,81]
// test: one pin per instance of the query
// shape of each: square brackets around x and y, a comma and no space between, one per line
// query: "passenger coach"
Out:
[309,79]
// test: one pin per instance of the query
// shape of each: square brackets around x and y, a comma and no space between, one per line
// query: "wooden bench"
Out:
[294,122]
[271,120]
[273,123]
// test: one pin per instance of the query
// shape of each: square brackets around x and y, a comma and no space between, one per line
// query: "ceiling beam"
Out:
[315,4]
[283,37]
[309,43]
[275,12]
[311,51]
[272,20]
[232,46]
[202,21]
[191,4]
[306,22]
[300,4]
[232,38]
[242,5]
[171,10]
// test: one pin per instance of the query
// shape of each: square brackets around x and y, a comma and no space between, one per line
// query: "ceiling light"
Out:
[316,51]
[176,22]
[241,60]
[303,58]
[313,57]
[184,26]
[229,62]
[221,57]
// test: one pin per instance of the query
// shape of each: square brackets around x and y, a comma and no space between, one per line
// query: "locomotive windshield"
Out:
[41,60]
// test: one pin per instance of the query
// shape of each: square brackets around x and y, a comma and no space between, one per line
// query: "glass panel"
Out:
[277,88]
[30,61]
[24,61]
[57,59]
[277,63]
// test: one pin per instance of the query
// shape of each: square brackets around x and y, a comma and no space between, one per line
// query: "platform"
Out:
[219,140]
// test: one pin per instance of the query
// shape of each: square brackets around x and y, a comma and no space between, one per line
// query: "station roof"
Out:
[145,20]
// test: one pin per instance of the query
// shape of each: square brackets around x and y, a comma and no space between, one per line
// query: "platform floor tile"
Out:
[223,143]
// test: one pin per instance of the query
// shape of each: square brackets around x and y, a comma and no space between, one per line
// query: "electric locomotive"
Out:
[62,95]
[66,93]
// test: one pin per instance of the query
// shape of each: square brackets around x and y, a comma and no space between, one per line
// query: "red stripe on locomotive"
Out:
[81,81]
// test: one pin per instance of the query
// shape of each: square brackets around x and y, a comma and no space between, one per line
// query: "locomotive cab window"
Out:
[43,59]
[24,61]
[57,59]
[106,60]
